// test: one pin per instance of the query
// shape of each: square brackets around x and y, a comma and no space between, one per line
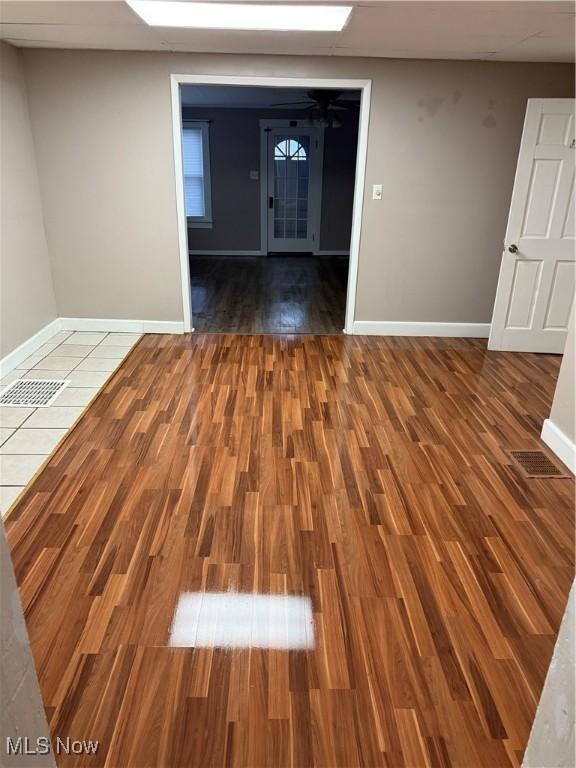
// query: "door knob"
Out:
[513,248]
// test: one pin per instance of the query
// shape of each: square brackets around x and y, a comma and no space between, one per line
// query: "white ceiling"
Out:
[498,30]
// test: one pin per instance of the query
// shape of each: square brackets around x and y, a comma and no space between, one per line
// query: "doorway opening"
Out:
[269,202]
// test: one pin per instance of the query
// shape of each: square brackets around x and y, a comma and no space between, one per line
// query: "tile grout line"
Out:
[21,426]
[126,351]
[37,409]
[25,371]
[85,357]
[9,436]
[73,357]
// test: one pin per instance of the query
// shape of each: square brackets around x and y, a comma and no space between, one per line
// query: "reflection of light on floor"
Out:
[199,294]
[242,620]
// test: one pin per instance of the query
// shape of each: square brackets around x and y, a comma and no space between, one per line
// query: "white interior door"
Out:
[536,285]
[294,184]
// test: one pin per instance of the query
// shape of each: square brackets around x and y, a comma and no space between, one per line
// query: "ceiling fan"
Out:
[322,106]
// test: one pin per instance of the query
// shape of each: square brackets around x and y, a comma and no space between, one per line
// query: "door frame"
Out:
[316,199]
[364,86]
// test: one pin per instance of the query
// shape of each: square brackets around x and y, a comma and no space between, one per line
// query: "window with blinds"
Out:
[196,164]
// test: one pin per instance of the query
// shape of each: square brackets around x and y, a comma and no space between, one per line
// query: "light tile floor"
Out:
[29,435]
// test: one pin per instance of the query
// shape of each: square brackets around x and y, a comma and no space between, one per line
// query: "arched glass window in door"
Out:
[289,149]
[291,183]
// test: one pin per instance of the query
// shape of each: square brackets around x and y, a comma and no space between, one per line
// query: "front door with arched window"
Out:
[294,183]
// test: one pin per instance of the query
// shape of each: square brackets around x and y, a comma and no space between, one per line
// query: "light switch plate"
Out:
[253,175]
[377,192]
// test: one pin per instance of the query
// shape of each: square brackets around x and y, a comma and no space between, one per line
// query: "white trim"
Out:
[120,326]
[263,180]
[210,252]
[271,81]
[389,328]
[182,224]
[364,86]
[357,207]
[559,444]
[28,347]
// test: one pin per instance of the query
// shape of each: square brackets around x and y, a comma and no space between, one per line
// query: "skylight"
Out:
[297,18]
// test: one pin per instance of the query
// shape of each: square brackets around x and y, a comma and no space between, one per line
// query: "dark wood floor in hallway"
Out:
[366,479]
[269,294]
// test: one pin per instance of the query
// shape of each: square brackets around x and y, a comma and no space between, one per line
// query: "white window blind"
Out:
[193,159]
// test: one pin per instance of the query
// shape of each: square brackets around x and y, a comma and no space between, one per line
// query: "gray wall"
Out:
[235,151]
[21,710]
[26,294]
[563,413]
[443,140]
[551,743]
[338,177]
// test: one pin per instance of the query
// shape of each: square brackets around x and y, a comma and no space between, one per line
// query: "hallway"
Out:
[269,294]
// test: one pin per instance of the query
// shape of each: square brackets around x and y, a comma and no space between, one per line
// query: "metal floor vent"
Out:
[32,393]
[537,464]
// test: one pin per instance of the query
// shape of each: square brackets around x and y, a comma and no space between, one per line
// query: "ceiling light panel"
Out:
[255,17]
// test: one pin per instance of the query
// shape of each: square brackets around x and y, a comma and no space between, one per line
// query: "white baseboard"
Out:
[389,328]
[28,347]
[121,326]
[226,253]
[559,444]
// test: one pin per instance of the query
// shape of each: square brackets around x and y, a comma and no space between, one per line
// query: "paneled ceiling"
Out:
[501,30]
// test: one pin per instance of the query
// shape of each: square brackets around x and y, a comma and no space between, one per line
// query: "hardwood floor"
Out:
[269,294]
[367,477]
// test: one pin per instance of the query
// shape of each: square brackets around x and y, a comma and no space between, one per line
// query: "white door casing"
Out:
[268,81]
[536,286]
